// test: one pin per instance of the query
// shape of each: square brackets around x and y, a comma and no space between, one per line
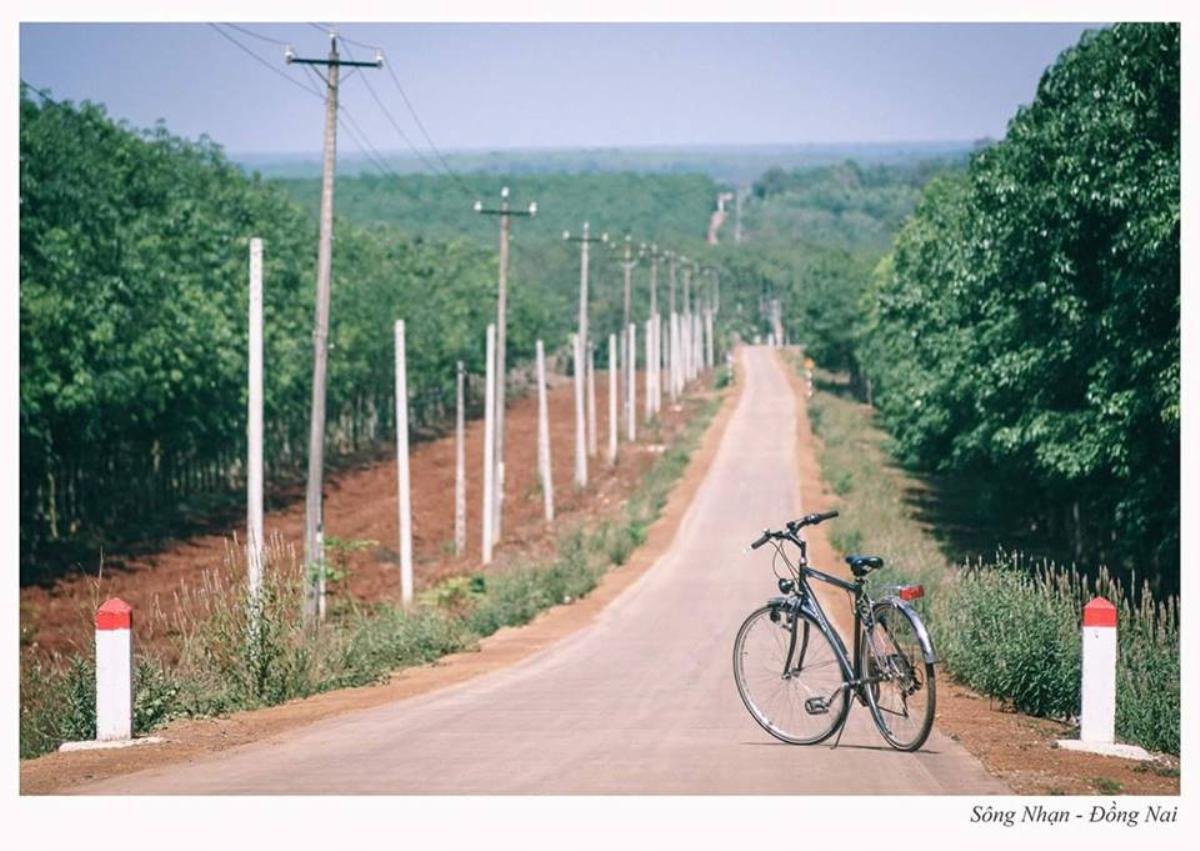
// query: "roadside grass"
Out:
[1007,626]
[219,664]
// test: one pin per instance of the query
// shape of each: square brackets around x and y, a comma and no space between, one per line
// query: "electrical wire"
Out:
[446,167]
[253,34]
[264,62]
[395,124]
[421,126]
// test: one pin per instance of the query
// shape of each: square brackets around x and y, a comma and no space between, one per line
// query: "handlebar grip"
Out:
[766,536]
[828,515]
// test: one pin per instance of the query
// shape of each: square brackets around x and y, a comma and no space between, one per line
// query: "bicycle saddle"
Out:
[862,565]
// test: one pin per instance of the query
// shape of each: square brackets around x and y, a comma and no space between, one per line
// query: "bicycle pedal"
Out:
[816,706]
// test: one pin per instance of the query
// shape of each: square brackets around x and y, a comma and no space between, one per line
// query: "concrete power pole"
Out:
[583,358]
[314,533]
[505,214]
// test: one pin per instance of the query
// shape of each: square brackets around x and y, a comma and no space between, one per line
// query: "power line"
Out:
[395,124]
[449,171]
[253,34]
[421,125]
[264,62]
[372,154]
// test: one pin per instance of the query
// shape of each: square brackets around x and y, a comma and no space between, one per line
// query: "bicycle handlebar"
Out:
[793,526]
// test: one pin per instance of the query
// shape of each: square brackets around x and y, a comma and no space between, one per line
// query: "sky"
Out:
[499,86]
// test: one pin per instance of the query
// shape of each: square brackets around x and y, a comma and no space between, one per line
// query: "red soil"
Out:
[361,505]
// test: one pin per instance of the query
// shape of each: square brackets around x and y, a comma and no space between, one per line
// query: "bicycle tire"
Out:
[908,675]
[765,696]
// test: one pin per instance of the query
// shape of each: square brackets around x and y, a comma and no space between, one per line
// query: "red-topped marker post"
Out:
[114,679]
[114,671]
[1098,697]
[1099,686]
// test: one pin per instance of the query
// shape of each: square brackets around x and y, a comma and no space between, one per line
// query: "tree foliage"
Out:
[134,258]
[1026,327]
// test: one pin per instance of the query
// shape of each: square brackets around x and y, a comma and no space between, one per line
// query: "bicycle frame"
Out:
[804,601]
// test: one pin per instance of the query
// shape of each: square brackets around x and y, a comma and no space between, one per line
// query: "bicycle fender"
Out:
[918,625]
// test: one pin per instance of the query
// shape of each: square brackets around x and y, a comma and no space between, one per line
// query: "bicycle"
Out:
[793,671]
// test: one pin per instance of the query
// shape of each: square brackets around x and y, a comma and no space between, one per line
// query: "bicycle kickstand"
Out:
[842,728]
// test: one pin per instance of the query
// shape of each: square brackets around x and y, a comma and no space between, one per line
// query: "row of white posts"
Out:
[690,338]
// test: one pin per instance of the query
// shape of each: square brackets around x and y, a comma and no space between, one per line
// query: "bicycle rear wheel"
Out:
[902,695]
[800,701]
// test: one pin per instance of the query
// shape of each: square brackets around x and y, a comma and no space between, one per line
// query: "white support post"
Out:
[662,332]
[1098,698]
[649,379]
[489,447]
[544,436]
[631,385]
[709,358]
[254,439]
[612,398]
[580,428]
[114,671]
[403,490]
[693,348]
[593,446]
[622,375]
[673,358]
[460,464]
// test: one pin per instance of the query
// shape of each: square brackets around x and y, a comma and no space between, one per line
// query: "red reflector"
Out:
[912,592]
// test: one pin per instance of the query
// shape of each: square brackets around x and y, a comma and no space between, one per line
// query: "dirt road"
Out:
[640,701]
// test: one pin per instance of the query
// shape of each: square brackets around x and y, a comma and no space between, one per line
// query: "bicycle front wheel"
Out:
[901,694]
[788,676]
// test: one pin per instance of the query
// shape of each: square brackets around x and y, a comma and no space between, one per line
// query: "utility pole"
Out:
[583,358]
[314,533]
[584,241]
[627,264]
[505,214]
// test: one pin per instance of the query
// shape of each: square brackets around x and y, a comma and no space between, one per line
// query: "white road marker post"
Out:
[403,488]
[489,447]
[254,443]
[544,436]
[612,398]
[580,428]
[631,385]
[1098,697]
[114,671]
[114,680]
[460,465]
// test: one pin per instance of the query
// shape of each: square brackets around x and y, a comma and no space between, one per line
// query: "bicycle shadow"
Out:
[847,746]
